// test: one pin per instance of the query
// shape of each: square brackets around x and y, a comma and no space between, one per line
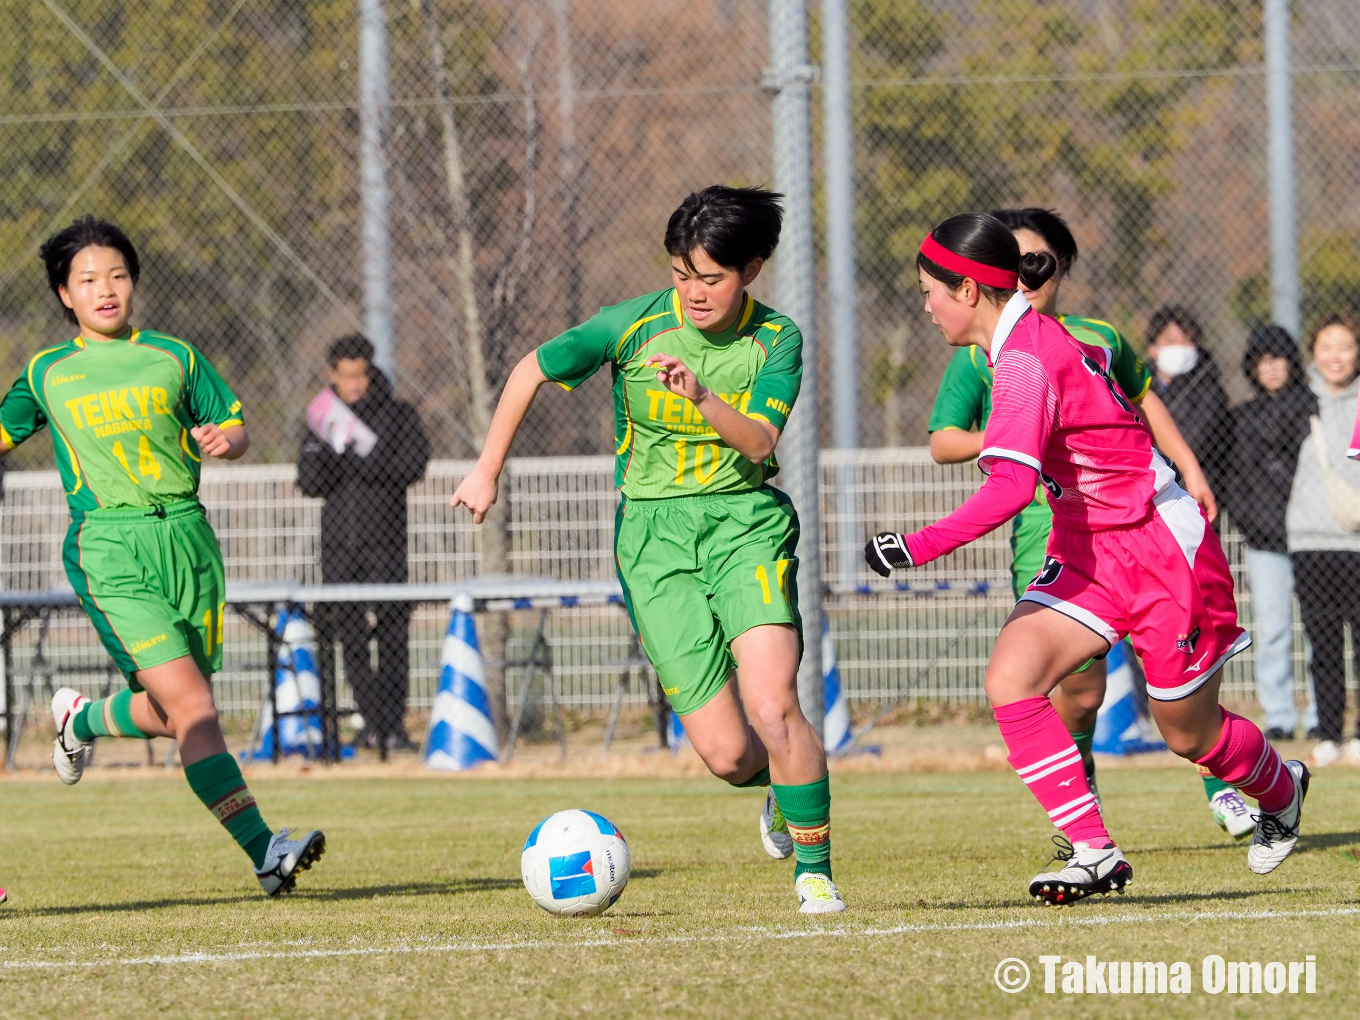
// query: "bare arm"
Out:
[478,490]
[230,443]
[955,446]
[752,438]
[1169,439]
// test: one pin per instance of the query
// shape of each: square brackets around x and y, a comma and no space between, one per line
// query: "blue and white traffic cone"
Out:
[462,734]
[1119,729]
[836,717]
[297,687]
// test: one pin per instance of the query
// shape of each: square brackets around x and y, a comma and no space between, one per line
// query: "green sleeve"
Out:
[571,358]
[20,413]
[210,400]
[777,383]
[962,397]
[1127,369]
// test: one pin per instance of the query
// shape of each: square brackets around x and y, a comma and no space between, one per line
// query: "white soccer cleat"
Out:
[286,858]
[1277,834]
[68,753]
[817,894]
[1231,813]
[1350,754]
[1327,752]
[774,831]
[1087,870]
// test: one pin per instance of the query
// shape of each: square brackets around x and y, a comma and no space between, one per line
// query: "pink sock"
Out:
[1043,755]
[1244,759]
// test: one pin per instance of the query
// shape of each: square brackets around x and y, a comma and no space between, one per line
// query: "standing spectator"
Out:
[362,451]
[1187,380]
[1324,532]
[1267,433]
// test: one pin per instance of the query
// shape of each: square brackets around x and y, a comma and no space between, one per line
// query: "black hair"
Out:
[1175,315]
[1048,225]
[733,226]
[60,250]
[1272,341]
[349,347]
[1341,319]
[980,237]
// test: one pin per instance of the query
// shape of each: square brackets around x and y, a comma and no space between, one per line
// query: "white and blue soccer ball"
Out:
[575,864]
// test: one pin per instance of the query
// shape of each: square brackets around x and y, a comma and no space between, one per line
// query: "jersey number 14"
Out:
[147,464]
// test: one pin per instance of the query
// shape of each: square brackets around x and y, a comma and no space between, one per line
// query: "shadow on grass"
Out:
[1127,899]
[1325,840]
[452,887]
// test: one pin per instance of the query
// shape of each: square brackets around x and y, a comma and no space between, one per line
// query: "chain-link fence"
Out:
[536,147]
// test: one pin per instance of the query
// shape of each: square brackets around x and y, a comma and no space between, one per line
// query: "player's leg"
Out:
[1185,631]
[1037,648]
[1077,700]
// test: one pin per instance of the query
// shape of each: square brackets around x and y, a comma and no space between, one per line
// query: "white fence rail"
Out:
[929,642]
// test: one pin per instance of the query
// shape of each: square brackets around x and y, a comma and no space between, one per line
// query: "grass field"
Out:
[128,901]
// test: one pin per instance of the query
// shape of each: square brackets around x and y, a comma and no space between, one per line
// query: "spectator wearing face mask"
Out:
[1267,433]
[1186,377]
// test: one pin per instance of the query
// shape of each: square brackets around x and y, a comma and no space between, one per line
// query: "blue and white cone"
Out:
[676,737]
[297,686]
[836,718]
[462,735]
[1119,729]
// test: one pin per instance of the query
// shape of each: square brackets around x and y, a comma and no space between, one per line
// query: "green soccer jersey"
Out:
[663,445]
[121,411]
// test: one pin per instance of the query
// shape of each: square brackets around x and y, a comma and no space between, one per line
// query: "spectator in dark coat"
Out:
[1267,433]
[1186,377]
[363,449]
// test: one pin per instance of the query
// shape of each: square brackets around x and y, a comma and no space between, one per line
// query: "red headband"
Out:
[988,276]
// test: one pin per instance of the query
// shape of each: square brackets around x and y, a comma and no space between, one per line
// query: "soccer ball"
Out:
[575,864]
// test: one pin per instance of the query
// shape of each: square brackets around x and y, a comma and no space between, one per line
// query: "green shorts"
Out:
[699,571]
[151,583]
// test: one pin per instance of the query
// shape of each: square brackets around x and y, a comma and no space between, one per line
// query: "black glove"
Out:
[886,550]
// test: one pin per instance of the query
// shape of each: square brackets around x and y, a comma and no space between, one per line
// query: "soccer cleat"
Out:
[1231,813]
[68,753]
[1328,752]
[286,857]
[1350,754]
[817,894]
[774,831]
[1276,834]
[1087,870]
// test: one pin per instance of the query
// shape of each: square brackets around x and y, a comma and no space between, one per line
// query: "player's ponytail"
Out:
[1037,268]
[977,247]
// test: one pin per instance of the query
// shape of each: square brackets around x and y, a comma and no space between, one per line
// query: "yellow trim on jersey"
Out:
[675,306]
[33,362]
[230,422]
[952,428]
[189,349]
[6,439]
[634,328]
[564,386]
[75,463]
[627,439]
[1146,386]
[746,312]
[184,445]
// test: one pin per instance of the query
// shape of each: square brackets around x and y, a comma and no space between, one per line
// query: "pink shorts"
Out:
[1165,583]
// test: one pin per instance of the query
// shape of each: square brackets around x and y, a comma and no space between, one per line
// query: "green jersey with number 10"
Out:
[664,447]
[120,411]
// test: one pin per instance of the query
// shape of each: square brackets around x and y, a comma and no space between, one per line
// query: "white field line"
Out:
[748,934]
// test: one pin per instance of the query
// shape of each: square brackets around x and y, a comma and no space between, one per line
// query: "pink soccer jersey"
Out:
[1055,409]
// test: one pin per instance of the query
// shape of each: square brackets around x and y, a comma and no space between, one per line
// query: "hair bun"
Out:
[1036,269]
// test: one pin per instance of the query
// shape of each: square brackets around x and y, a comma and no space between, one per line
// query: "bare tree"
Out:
[487,306]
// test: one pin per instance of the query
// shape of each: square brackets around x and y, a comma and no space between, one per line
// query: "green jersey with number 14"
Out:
[120,411]
[664,447]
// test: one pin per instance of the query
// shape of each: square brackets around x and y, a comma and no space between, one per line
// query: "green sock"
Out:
[108,717]
[1212,784]
[807,810]
[217,782]
[761,778]
[1083,739]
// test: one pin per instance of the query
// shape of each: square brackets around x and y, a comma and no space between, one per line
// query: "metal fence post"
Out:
[789,80]
[1284,252]
[377,238]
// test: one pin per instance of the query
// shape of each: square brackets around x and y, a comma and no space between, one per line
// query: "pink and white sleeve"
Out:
[1024,413]
[1354,451]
